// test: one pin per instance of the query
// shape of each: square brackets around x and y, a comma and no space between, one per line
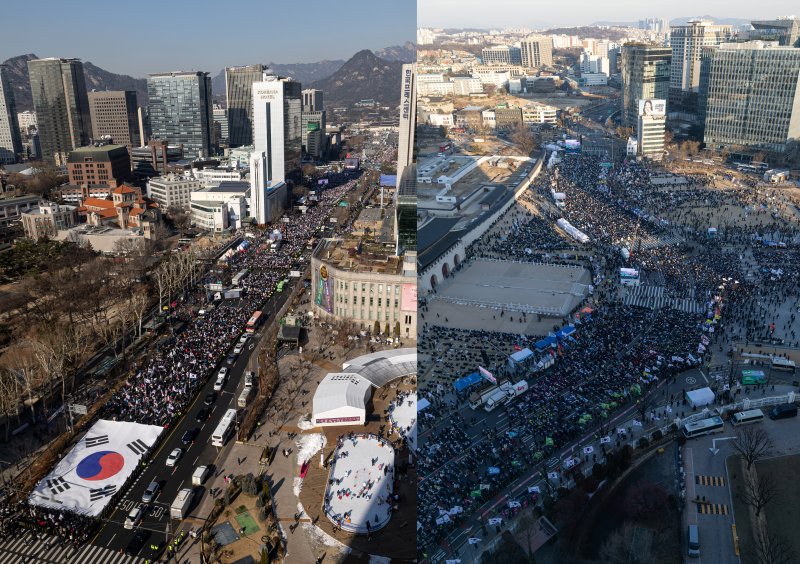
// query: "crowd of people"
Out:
[620,351]
[163,384]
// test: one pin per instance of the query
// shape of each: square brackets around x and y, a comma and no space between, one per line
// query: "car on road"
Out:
[220,383]
[210,398]
[151,492]
[244,338]
[238,348]
[249,376]
[202,415]
[137,542]
[231,358]
[174,457]
[134,517]
[189,435]
[223,372]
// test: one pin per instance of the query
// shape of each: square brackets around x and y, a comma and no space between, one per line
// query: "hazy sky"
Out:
[551,13]
[146,36]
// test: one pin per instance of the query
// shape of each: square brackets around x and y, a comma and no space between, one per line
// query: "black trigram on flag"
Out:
[57,485]
[99,493]
[96,441]
[138,447]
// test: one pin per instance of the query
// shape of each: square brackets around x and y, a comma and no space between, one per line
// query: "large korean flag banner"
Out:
[85,480]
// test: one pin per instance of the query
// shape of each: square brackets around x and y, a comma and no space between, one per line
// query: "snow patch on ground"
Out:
[297,486]
[305,423]
[322,537]
[308,446]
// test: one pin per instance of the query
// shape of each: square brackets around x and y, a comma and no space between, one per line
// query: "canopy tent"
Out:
[565,331]
[519,357]
[544,343]
[463,383]
[422,404]
[701,397]
[341,399]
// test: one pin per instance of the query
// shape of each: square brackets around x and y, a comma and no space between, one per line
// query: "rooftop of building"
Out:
[177,74]
[229,186]
[360,255]
[102,153]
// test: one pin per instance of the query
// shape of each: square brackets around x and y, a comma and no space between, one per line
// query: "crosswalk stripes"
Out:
[712,508]
[26,548]
[709,480]
[653,297]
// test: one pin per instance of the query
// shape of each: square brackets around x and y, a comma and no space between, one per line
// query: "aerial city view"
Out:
[440,282]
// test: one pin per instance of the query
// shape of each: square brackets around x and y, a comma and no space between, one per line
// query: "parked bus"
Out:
[783,364]
[254,322]
[237,280]
[703,427]
[223,431]
[747,417]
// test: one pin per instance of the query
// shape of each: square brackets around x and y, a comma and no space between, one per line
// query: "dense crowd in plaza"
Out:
[163,385]
[166,381]
[463,462]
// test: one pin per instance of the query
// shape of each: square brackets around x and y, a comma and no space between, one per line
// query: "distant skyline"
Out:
[150,36]
[540,14]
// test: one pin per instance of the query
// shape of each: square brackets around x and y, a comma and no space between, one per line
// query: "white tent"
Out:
[341,399]
[519,357]
[422,404]
[701,397]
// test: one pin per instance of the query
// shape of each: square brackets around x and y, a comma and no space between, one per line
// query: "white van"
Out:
[200,475]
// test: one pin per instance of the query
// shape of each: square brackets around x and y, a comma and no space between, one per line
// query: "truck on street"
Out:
[505,394]
[180,507]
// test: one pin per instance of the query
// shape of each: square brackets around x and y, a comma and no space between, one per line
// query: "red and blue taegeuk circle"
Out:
[100,465]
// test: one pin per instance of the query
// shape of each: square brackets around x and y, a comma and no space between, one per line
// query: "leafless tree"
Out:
[759,491]
[9,398]
[771,547]
[19,361]
[753,444]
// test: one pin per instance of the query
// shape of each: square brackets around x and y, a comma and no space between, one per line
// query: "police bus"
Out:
[223,431]
[703,427]
[747,417]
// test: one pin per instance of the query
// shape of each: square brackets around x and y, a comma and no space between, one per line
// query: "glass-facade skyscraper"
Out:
[59,95]
[239,93]
[180,110]
[10,139]
[750,95]
[645,75]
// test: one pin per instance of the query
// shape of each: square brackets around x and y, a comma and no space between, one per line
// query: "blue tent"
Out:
[463,383]
[565,331]
[544,343]
[388,180]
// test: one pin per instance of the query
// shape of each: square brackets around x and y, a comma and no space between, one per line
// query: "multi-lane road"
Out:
[156,524]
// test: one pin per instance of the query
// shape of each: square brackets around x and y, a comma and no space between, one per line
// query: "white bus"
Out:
[237,280]
[703,427]
[223,431]
[783,364]
[747,417]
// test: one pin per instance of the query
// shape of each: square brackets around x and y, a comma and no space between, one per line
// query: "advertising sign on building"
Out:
[652,107]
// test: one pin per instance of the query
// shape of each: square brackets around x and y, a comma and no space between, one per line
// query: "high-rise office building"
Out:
[277,139]
[501,55]
[405,224]
[786,31]
[314,125]
[751,95]
[645,71]
[652,114]
[408,118]
[114,113]
[312,100]
[10,139]
[537,51]
[239,94]
[180,110]
[58,88]
[221,133]
[687,42]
